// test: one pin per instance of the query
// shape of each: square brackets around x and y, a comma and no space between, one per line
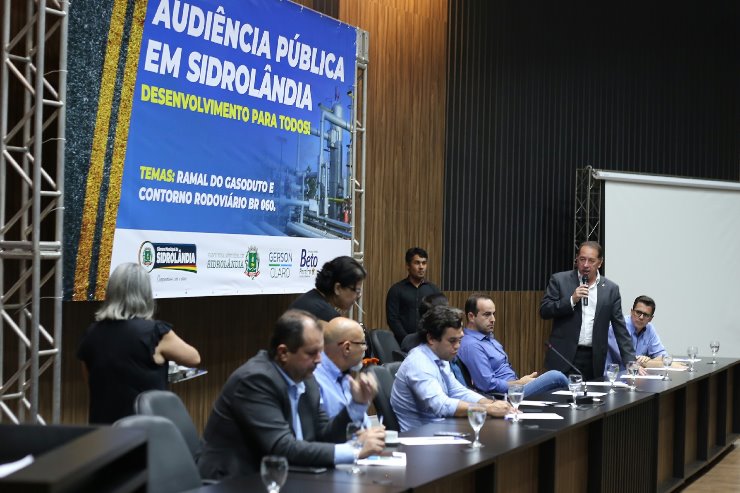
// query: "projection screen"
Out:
[678,241]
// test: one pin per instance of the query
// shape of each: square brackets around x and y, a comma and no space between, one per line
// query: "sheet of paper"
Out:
[606,384]
[11,467]
[395,459]
[535,416]
[669,369]
[433,441]
[685,360]
[644,377]
[537,403]
[570,394]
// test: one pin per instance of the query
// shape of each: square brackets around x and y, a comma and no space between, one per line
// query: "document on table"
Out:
[644,377]
[394,459]
[607,384]
[10,467]
[570,394]
[535,416]
[537,403]
[433,441]
[685,360]
[669,369]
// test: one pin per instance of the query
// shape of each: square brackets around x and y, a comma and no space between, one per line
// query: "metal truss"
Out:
[32,113]
[359,144]
[587,217]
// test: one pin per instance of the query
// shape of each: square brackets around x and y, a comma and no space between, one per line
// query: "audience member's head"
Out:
[296,344]
[340,281]
[430,301]
[416,264]
[344,343]
[480,313]
[128,295]
[643,310]
[442,329]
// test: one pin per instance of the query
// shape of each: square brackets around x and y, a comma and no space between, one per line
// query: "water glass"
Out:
[274,472]
[714,346]
[633,367]
[692,351]
[353,438]
[667,362]
[515,394]
[611,373]
[476,417]
[575,382]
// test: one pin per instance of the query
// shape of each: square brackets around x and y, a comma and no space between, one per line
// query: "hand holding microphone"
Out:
[581,292]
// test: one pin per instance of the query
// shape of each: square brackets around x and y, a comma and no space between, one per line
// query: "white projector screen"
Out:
[678,243]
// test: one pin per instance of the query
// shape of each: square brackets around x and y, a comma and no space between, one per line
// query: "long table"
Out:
[651,439]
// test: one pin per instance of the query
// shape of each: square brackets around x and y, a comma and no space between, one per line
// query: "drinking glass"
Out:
[692,351]
[274,472]
[714,346]
[633,367]
[476,417]
[667,361]
[515,395]
[611,373]
[575,382]
[353,438]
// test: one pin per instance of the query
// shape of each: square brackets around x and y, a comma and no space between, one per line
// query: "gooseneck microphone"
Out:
[549,346]
[584,280]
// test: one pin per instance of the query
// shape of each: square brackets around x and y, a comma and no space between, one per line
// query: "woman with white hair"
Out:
[126,351]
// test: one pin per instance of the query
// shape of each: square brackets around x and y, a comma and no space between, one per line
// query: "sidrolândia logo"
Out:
[252,260]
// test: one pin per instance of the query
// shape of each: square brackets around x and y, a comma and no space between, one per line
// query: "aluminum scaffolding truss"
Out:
[33,80]
[587,217]
[359,139]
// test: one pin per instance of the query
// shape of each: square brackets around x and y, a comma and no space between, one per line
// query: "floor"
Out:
[722,476]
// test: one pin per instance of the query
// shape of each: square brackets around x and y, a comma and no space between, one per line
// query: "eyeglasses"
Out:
[640,314]
[359,343]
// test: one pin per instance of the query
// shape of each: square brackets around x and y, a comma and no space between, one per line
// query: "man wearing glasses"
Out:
[425,390]
[344,348]
[649,350]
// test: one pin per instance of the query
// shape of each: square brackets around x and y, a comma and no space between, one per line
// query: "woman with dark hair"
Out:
[338,286]
[125,352]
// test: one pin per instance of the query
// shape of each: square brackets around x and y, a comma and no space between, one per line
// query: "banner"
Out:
[231,172]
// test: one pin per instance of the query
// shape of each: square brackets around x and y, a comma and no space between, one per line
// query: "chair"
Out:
[170,467]
[382,400]
[168,405]
[393,368]
[384,343]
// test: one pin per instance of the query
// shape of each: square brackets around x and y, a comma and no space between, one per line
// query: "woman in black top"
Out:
[338,286]
[125,352]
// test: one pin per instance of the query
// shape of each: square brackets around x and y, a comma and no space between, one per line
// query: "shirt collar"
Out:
[476,334]
[299,387]
[330,367]
[430,354]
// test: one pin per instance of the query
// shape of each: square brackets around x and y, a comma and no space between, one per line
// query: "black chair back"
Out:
[168,404]
[170,467]
[384,343]
[393,368]
[382,400]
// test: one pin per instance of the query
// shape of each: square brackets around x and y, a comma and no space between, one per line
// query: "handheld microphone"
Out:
[579,400]
[584,280]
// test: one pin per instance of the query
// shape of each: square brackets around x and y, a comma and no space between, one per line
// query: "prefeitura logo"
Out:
[169,256]
[252,259]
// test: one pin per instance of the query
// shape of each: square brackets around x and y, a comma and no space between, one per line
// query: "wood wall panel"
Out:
[405,138]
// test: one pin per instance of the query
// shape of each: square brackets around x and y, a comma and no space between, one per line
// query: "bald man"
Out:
[344,348]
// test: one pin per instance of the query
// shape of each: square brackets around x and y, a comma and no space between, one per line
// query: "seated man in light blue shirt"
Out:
[486,359]
[344,348]
[649,350]
[425,390]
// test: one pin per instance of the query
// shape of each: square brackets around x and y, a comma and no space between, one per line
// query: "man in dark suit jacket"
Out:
[254,416]
[581,314]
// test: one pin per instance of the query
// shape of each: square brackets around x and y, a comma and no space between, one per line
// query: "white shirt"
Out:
[588,314]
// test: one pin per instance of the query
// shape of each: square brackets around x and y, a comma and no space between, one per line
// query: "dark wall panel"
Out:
[537,89]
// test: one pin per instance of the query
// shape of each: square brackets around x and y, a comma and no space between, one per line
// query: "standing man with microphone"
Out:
[582,304]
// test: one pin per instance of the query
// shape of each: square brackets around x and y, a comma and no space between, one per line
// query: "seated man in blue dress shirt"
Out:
[425,390]
[649,350]
[486,359]
[270,406]
[344,348]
